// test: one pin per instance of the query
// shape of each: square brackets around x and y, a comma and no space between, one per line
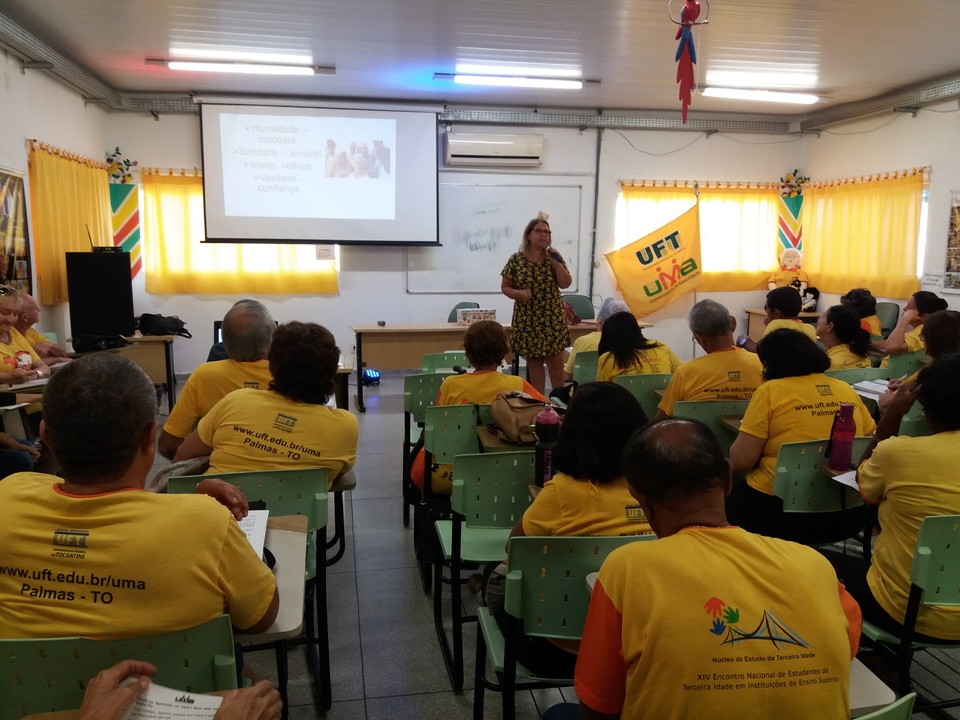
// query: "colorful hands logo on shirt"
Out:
[770,627]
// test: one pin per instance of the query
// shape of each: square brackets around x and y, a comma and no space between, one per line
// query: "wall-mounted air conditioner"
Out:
[493,150]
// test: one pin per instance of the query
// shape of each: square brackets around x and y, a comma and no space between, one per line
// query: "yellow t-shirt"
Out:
[590,341]
[656,359]
[795,409]
[792,324]
[731,374]
[872,325]
[718,623]
[911,477]
[207,385]
[567,506]
[843,358]
[783,278]
[481,387]
[34,337]
[121,564]
[17,354]
[262,430]
[913,341]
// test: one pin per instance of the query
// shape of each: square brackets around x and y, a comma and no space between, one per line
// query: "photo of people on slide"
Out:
[356,159]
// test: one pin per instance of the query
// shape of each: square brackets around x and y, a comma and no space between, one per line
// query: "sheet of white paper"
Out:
[849,479]
[163,703]
[876,387]
[254,525]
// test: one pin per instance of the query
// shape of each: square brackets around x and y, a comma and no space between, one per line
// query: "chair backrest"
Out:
[709,412]
[546,580]
[582,306]
[936,560]
[914,423]
[434,362]
[887,313]
[297,491]
[855,375]
[643,386]
[51,336]
[452,317]
[907,363]
[585,366]
[46,675]
[492,490]
[483,415]
[901,709]
[420,392]
[802,484]
[450,430]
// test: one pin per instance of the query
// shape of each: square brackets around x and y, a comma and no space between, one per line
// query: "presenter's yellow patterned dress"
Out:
[539,325]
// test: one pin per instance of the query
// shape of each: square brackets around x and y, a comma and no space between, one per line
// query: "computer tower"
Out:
[101,293]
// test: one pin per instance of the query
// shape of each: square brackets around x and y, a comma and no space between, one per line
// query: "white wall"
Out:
[372,280]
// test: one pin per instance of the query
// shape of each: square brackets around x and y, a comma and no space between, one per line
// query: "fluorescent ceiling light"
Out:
[514,71]
[242,68]
[761,95]
[510,81]
[761,79]
[189,53]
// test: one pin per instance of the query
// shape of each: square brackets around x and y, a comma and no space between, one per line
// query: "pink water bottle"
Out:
[547,428]
[841,438]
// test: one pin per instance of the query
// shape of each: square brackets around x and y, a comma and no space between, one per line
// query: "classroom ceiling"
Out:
[860,56]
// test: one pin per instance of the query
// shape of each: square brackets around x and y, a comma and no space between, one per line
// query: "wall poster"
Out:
[951,276]
[14,243]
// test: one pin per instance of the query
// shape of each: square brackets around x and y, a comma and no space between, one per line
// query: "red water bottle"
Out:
[841,438]
[546,428]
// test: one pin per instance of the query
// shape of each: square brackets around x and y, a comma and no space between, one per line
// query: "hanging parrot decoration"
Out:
[686,56]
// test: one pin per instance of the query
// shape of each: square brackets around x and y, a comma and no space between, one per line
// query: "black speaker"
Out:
[101,293]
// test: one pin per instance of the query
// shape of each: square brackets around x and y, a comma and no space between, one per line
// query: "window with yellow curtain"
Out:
[738,227]
[69,197]
[176,260]
[863,234]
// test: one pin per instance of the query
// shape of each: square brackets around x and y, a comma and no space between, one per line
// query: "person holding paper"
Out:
[96,555]
[113,691]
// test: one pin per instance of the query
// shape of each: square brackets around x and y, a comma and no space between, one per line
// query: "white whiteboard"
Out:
[481,227]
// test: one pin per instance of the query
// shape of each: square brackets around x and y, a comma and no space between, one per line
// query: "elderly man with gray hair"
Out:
[726,372]
[591,341]
[247,330]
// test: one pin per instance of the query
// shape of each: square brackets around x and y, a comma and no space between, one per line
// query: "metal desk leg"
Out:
[171,375]
[360,405]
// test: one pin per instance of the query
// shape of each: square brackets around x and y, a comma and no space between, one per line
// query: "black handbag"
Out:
[97,341]
[151,324]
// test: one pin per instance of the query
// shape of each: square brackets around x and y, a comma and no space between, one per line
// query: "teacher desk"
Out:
[399,347]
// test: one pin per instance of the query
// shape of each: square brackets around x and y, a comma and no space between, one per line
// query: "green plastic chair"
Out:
[452,317]
[298,491]
[444,361]
[709,412]
[901,709]
[888,313]
[419,393]
[546,596]
[907,363]
[934,580]
[582,306]
[448,431]
[491,491]
[51,336]
[47,675]
[855,375]
[585,366]
[914,423]
[642,387]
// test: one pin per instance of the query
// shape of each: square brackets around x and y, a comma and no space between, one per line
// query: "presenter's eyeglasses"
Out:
[541,231]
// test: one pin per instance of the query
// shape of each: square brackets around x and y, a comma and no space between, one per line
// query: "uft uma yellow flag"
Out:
[659,268]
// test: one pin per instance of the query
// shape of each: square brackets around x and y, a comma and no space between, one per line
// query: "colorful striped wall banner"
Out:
[790,232]
[125,205]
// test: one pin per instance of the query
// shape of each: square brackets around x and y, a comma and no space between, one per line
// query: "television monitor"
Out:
[101,293]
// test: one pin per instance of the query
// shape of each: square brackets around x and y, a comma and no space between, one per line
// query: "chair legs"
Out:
[452,651]
[339,539]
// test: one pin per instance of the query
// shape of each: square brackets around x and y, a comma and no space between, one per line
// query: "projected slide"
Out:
[313,175]
[308,167]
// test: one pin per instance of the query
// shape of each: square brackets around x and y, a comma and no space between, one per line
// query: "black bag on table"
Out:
[151,324]
[94,342]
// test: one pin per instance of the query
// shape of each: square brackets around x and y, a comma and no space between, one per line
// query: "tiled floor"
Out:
[385,657]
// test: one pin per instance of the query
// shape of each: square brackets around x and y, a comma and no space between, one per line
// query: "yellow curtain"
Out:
[738,227]
[863,234]
[176,260]
[69,195]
